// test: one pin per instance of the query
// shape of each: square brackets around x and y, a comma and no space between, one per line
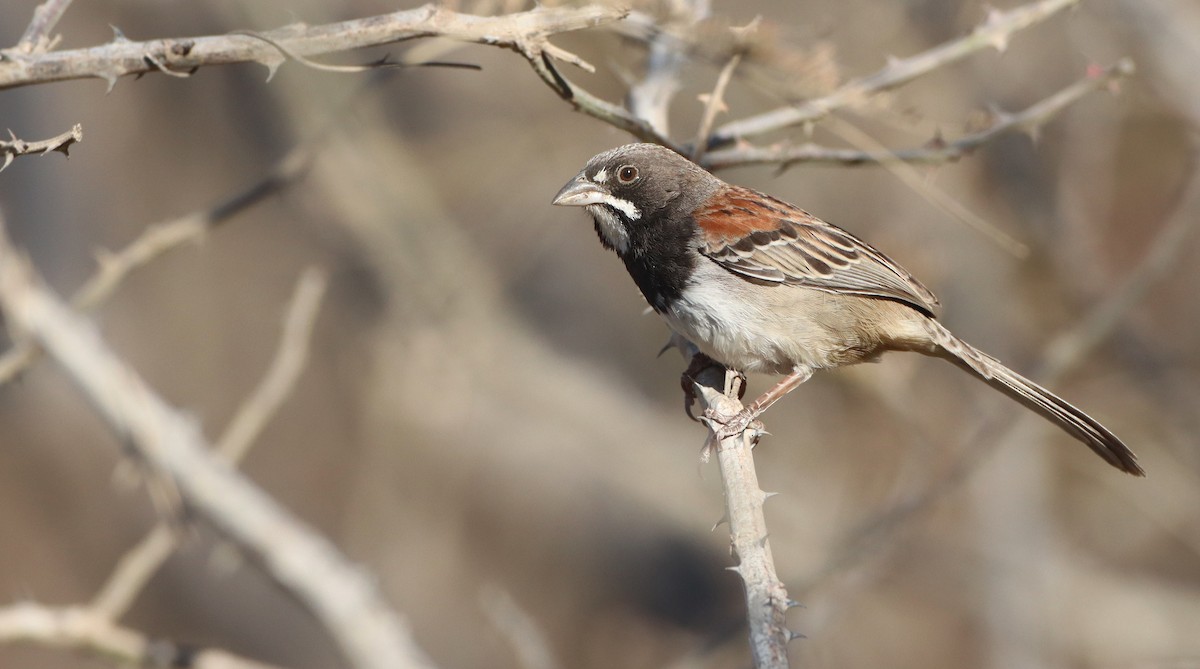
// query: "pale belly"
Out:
[776,329]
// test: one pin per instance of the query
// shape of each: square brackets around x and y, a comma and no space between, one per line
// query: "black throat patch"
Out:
[661,260]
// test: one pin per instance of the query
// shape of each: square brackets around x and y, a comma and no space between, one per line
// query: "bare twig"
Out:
[993,32]
[713,103]
[348,69]
[283,373]
[140,563]
[124,57]
[915,180]
[37,36]
[157,240]
[938,150]
[340,594]
[86,631]
[650,98]
[134,570]
[14,147]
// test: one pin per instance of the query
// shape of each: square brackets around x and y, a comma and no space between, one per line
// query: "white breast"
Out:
[758,328]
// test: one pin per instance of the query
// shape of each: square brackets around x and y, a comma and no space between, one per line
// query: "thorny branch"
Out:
[344,598]
[13,147]
[936,151]
[767,599]
[525,32]
[994,32]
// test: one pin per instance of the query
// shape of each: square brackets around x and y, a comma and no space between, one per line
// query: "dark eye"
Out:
[627,174]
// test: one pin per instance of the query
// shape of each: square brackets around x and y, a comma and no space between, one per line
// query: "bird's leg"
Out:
[787,384]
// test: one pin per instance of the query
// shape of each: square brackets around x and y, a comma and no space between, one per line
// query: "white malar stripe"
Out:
[610,227]
[624,206]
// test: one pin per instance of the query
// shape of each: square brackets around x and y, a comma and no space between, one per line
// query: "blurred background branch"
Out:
[336,591]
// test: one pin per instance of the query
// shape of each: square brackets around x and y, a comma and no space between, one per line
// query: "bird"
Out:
[762,286]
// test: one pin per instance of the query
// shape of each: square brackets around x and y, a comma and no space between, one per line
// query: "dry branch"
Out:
[650,98]
[14,147]
[85,631]
[525,31]
[340,594]
[37,36]
[936,151]
[767,600]
[994,32]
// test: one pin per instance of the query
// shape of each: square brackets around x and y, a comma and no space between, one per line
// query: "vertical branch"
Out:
[45,17]
[650,98]
[766,598]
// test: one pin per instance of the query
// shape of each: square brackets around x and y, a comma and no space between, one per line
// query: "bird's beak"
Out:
[579,192]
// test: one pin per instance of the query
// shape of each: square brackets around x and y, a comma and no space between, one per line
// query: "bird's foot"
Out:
[745,420]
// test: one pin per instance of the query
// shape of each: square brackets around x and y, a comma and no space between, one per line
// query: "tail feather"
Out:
[1036,398]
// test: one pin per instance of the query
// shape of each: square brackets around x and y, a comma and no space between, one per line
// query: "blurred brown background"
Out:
[484,410]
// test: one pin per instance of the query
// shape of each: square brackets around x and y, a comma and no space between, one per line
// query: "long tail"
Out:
[1052,407]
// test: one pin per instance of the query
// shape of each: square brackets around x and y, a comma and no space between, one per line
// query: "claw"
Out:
[735,425]
[687,380]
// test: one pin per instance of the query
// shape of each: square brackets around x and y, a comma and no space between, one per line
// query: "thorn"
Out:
[8,158]
[793,604]
[994,18]
[721,107]
[999,116]
[747,30]
[768,495]
[111,79]
[118,36]
[272,68]
[938,141]
[1035,133]
[723,521]
[737,569]
[893,61]
[792,636]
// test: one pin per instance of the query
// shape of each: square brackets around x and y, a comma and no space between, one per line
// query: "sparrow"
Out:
[762,286]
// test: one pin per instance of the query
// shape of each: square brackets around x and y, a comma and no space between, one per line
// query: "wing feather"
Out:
[763,238]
